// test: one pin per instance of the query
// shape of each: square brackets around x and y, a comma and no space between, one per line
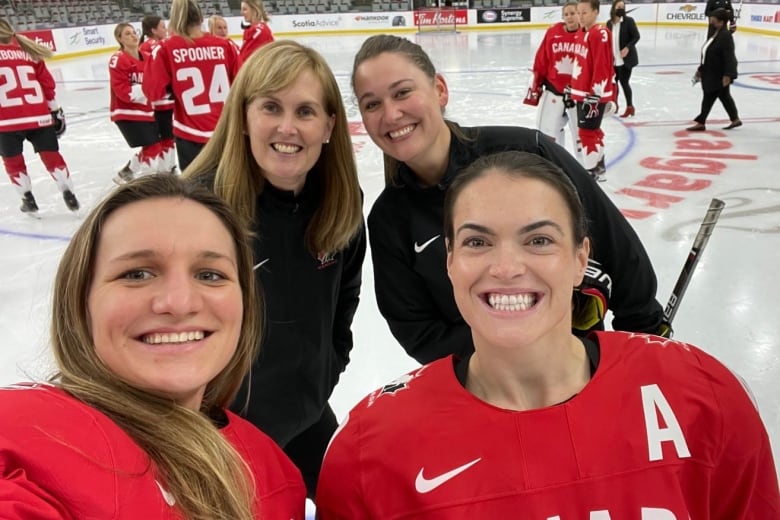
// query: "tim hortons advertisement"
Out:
[516,15]
[444,17]
[45,38]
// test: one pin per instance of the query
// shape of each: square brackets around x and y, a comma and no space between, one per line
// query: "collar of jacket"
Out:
[459,158]
[287,200]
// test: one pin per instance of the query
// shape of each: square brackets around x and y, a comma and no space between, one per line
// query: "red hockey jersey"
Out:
[61,459]
[26,90]
[198,72]
[554,61]
[255,36]
[662,431]
[125,70]
[594,72]
[147,48]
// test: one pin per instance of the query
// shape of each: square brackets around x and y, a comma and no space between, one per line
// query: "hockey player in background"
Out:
[130,110]
[257,32]
[551,74]
[538,423]
[218,27]
[197,68]
[593,85]
[153,31]
[29,111]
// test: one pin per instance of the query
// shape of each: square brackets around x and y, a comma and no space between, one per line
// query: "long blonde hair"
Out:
[185,14]
[212,24]
[259,9]
[36,51]
[238,177]
[206,476]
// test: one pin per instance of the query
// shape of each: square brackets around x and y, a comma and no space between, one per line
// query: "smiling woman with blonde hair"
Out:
[282,158]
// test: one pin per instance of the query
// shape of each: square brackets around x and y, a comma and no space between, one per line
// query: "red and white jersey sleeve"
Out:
[594,71]
[662,431]
[147,49]
[27,90]
[198,73]
[61,459]
[554,61]
[124,71]
[255,36]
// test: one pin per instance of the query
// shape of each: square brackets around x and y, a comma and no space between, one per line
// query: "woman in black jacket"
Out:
[401,99]
[625,35]
[284,162]
[717,72]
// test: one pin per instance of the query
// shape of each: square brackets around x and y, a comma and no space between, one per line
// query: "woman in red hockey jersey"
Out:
[197,69]
[153,31]
[551,74]
[29,111]
[257,33]
[218,27]
[537,420]
[155,323]
[130,109]
[593,89]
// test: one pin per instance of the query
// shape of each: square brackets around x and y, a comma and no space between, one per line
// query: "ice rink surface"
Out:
[660,176]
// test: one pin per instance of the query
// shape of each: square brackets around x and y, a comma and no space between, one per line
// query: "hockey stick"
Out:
[699,243]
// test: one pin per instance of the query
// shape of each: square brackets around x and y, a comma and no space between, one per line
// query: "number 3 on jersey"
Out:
[27,81]
[217,91]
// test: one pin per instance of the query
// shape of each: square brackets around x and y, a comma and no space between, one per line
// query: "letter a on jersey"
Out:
[654,404]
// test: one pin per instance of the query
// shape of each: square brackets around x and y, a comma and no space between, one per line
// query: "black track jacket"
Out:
[406,234]
[309,302]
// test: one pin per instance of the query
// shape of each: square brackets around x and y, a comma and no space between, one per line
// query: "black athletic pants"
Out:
[623,75]
[708,100]
[308,449]
[187,151]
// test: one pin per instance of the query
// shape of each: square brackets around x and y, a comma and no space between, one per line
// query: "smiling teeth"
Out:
[285,148]
[512,302]
[174,337]
[402,132]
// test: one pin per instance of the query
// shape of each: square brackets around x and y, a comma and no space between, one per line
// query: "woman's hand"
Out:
[726,81]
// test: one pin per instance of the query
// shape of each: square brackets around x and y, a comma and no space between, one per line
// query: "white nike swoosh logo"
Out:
[257,265]
[419,248]
[424,485]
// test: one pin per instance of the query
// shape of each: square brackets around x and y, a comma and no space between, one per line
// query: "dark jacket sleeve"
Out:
[349,294]
[404,299]
[729,55]
[631,38]
[615,244]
